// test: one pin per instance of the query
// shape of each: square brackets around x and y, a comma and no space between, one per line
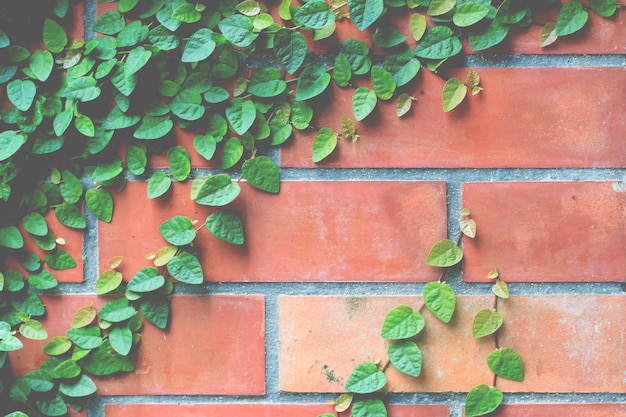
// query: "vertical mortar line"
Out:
[89,17]
[90,245]
[454,204]
[272,348]
[95,407]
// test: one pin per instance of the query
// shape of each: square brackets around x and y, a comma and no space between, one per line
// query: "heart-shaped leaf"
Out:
[406,357]
[440,300]
[454,91]
[506,363]
[402,323]
[312,82]
[372,407]
[365,12]
[365,379]
[486,322]
[363,102]
[178,231]
[482,400]
[186,268]
[444,253]
[262,173]
[572,17]
[146,280]
[324,144]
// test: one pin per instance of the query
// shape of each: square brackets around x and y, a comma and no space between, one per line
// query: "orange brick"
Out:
[559,410]
[525,117]
[311,231]
[215,345]
[567,343]
[561,231]
[257,410]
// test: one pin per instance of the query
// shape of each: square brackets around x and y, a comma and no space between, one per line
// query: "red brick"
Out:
[561,231]
[559,410]
[530,117]
[257,410]
[567,343]
[215,345]
[311,231]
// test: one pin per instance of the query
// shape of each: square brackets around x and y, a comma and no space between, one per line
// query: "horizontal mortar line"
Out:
[421,398]
[362,289]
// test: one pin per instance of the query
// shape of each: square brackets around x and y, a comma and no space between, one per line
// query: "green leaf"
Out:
[10,143]
[108,281]
[493,35]
[10,344]
[500,289]
[262,173]
[406,357]
[52,407]
[66,369]
[469,13]
[267,82]
[402,323]
[136,158]
[81,388]
[454,92]
[165,40]
[510,12]
[604,8]
[388,37]
[178,231]
[100,202]
[315,14]
[324,144]
[85,337]
[226,226]
[301,114]
[31,304]
[71,188]
[121,339]
[199,47]
[372,407]
[107,171]
[145,280]
[506,363]
[231,153]
[486,322]
[217,190]
[82,89]
[438,43]
[365,12]
[158,184]
[358,54]
[21,93]
[39,380]
[153,127]
[42,280]
[187,13]
[342,72]
[383,83]
[109,23]
[440,7]
[116,310]
[180,162]
[312,82]
[417,24]
[32,329]
[444,253]
[104,362]
[186,268]
[60,259]
[10,237]
[84,317]
[41,64]
[205,145]
[237,29]
[572,18]
[156,312]
[365,379]
[241,115]
[62,121]
[35,224]
[136,59]
[363,102]
[133,34]
[482,400]
[84,125]
[290,49]
[54,36]
[439,298]
[57,346]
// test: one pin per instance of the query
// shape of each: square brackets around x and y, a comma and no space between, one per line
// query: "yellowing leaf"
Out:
[468,227]
[473,79]
[417,23]
[454,92]
[500,289]
[403,104]
[548,35]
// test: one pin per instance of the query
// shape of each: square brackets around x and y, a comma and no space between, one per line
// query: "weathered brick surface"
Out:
[257,410]
[567,343]
[558,410]
[311,231]
[215,345]
[547,232]
[525,117]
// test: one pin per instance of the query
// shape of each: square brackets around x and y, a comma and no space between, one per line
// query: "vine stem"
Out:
[384,368]
[495,338]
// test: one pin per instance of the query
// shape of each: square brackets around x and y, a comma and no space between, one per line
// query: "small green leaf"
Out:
[312,82]
[156,312]
[116,310]
[136,158]
[506,363]
[10,143]
[158,184]
[238,30]
[315,14]
[500,289]
[241,115]
[199,46]
[81,388]
[417,24]
[205,145]
[35,224]
[109,23]
[406,357]
[85,337]
[32,329]
[469,13]
[438,43]
[21,93]
[363,102]
[121,339]
[153,127]
[60,259]
[218,190]
[358,54]
[439,7]
[365,12]
[146,280]
[54,36]
[403,104]
[40,381]
[180,162]
[84,125]
[82,89]
[41,64]
[71,188]
[571,19]
[365,379]
[70,216]
[66,369]
[388,37]
[342,72]
[486,322]
[372,407]
[290,49]
[108,281]
[454,92]
[439,298]
[301,114]
[444,253]
[84,317]
[100,202]
[262,173]
[187,13]
[57,346]
[226,226]
[266,83]
[604,8]
[10,344]
[402,323]
[324,144]
[107,171]
[231,153]
[62,121]
[493,35]
[178,231]
[52,407]
[42,280]
[383,83]
[186,268]
[482,400]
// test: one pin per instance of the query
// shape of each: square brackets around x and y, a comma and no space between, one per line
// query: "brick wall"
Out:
[539,158]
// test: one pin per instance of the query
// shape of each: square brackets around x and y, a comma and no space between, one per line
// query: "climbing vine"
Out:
[81,116]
